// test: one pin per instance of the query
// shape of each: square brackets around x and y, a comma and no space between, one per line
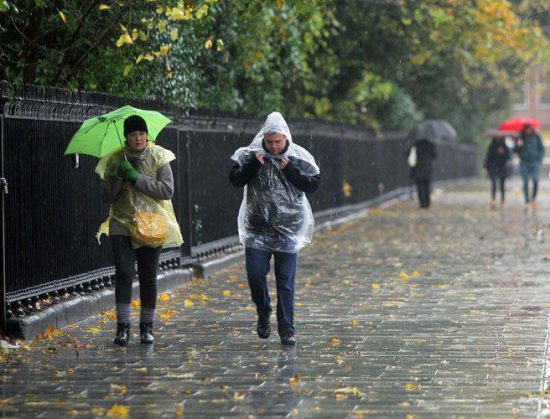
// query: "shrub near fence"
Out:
[53,210]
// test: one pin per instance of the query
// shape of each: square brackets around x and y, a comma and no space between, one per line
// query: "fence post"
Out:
[2,230]
[187,213]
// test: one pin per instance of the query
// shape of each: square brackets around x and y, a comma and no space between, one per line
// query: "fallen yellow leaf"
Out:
[403,275]
[294,380]
[350,390]
[118,411]
[411,387]
[375,286]
[49,333]
[119,389]
[226,293]
[239,395]
[188,303]
[166,314]
[164,297]
[136,304]
[110,314]
[334,341]
[416,273]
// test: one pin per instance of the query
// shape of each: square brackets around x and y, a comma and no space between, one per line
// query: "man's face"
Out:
[137,140]
[275,142]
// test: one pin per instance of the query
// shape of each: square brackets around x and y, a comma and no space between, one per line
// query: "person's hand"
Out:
[126,171]
[520,142]
[260,157]
[284,162]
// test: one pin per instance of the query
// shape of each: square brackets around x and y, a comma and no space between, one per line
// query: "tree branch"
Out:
[82,20]
[94,46]
[74,40]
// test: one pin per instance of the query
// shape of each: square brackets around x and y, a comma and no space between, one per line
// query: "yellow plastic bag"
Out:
[149,229]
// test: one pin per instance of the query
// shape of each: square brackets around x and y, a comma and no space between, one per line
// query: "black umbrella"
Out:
[431,129]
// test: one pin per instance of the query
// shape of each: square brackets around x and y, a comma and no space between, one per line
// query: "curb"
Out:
[206,269]
[335,218]
[83,307]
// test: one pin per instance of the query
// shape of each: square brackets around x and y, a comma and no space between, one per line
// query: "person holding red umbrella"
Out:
[531,152]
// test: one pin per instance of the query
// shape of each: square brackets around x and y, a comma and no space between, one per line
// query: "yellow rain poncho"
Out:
[129,200]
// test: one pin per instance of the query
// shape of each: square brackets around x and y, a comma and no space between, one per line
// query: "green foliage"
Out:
[386,64]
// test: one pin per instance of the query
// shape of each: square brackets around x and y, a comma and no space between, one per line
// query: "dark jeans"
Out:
[501,180]
[530,170]
[257,267]
[125,267]
[423,189]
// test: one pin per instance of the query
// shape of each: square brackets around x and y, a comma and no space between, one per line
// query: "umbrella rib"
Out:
[102,143]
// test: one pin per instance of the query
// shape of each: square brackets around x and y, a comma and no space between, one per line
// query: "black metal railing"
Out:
[53,210]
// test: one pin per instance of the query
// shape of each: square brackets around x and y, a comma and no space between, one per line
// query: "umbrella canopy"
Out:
[517,124]
[431,129]
[100,135]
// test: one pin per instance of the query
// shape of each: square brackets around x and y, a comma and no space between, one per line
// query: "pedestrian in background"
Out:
[495,164]
[420,160]
[531,153]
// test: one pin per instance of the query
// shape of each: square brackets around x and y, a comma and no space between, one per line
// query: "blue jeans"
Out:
[530,170]
[257,268]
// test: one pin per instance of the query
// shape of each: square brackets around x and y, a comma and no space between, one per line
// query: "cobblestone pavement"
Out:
[401,313]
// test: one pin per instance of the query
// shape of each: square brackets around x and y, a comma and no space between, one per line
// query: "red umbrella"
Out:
[517,124]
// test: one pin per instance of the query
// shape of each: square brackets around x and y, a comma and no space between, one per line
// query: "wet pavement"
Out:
[401,313]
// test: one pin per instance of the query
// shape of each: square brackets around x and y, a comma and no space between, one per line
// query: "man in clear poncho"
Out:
[275,217]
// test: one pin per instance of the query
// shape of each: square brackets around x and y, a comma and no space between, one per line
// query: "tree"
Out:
[385,64]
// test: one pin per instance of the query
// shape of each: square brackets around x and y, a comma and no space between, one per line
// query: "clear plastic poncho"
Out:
[130,200]
[275,215]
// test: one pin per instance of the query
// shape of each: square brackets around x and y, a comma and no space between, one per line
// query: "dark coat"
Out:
[425,155]
[496,159]
[532,150]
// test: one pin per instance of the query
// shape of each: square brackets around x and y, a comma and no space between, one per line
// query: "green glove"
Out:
[126,171]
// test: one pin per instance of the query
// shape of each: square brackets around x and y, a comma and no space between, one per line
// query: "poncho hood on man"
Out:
[275,215]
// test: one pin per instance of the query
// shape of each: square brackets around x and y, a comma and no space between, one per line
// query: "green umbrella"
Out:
[100,135]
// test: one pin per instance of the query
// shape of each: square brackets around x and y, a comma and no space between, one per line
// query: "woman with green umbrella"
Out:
[138,183]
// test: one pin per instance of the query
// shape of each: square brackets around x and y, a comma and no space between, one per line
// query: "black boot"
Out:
[288,339]
[146,333]
[122,334]
[264,327]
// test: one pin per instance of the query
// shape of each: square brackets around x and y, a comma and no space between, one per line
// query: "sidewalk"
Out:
[439,313]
